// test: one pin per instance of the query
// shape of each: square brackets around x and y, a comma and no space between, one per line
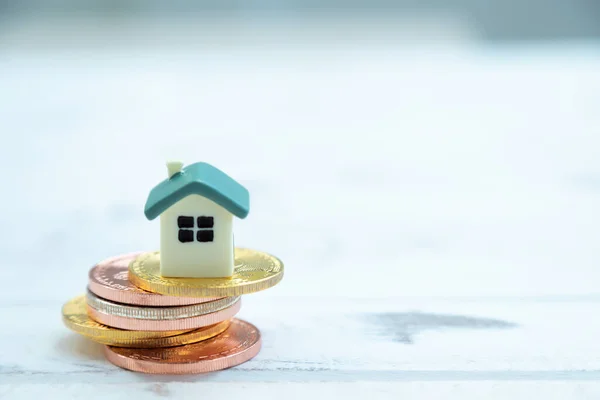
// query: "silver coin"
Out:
[158,313]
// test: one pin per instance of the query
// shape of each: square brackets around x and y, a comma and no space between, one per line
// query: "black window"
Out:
[186,235]
[204,231]
[185,222]
[206,222]
[205,235]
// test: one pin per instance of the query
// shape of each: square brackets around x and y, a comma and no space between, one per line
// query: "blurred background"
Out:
[391,148]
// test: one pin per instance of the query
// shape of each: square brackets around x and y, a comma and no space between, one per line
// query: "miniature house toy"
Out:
[196,205]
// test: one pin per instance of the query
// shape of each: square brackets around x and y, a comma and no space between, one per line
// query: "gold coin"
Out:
[253,271]
[76,318]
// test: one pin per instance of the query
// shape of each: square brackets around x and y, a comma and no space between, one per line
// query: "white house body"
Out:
[196,239]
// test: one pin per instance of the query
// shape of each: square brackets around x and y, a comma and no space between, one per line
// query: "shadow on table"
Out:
[403,326]
[79,347]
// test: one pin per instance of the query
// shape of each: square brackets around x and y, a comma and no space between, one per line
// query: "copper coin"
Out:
[137,324]
[238,344]
[109,279]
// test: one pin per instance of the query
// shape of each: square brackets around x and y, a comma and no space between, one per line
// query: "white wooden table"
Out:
[436,208]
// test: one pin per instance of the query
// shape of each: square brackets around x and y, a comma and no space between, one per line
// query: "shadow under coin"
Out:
[402,327]
[78,346]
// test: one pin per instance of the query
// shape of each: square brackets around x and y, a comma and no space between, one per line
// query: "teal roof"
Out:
[202,179]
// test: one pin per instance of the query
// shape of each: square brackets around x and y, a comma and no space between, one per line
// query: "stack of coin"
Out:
[154,324]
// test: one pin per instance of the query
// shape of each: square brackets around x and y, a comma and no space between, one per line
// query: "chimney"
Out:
[174,167]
